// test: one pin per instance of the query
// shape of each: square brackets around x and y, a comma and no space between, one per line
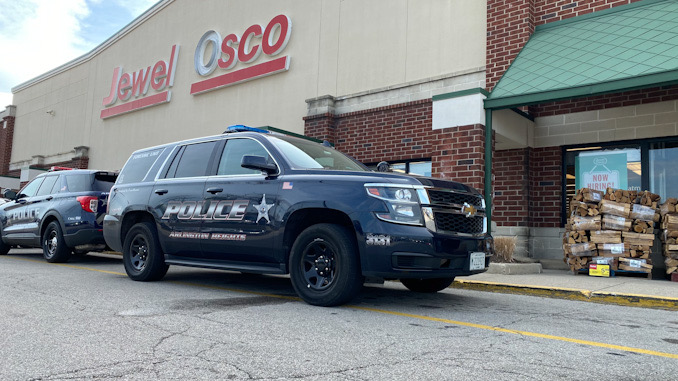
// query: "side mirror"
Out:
[258,163]
[9,194]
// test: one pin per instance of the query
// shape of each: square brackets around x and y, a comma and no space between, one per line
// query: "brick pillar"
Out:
[6,138]
[461,155]
[546,181]
[320,127]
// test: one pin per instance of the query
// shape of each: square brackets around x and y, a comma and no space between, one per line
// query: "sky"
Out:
[37,36]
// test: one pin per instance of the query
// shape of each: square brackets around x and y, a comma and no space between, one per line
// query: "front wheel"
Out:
[427,285]
[324,265]
[141,253]
[54,247]
[4,248]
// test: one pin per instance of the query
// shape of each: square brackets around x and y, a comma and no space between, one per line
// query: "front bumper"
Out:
[400,251]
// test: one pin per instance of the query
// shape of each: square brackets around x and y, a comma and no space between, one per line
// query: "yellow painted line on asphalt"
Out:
[403,314]
[69,266]
[523,333]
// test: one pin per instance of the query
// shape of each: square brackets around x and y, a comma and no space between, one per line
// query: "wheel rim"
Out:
[139,252]
[319,265]
[51,243]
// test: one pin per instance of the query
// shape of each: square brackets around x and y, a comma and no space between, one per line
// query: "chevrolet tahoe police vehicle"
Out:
[259,202]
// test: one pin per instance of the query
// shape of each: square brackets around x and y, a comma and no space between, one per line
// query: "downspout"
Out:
[488,169]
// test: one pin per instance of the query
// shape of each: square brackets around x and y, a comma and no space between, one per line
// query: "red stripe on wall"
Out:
[138,104]
[247,74]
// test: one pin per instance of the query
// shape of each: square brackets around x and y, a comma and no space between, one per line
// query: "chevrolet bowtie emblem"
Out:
[468,210]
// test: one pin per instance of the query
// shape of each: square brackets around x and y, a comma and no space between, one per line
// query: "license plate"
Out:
[477,261]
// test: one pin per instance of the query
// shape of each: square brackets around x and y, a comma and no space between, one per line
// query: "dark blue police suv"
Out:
[60,211]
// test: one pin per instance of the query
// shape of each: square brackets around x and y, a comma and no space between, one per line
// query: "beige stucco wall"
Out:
[337,47]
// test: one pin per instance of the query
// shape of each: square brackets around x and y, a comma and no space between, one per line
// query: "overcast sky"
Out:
[37,36]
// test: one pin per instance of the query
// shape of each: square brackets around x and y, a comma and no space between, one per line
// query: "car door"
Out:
[23,214]
[177,198]
[246,212]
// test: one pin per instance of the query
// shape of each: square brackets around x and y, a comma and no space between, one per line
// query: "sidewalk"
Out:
[621,290]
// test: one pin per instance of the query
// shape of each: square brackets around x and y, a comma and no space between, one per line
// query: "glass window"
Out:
[663,161]
[31,188]
[417,168]
[232,156]
[194,160]
[78,183]
[599,168]
[138,165]
[47,185]
[303,154]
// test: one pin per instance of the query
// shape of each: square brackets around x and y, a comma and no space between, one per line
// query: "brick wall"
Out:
[546,179]
[6,139]
[627,98]
[511,187]
[548,10]
[403,132]
[510,23]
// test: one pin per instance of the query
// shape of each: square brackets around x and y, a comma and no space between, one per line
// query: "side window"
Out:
[79,183]
[192,160]
[47,185]
[31,189]
[138,165]
[232,157]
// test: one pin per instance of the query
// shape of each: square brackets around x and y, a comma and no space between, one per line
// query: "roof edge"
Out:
[157,7]
[658,79]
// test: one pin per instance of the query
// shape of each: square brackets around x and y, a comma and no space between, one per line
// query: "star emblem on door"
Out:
[262,209]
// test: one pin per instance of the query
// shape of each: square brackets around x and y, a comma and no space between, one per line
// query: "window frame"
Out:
[644,163]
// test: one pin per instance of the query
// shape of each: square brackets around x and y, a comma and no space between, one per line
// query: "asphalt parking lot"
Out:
[87,320]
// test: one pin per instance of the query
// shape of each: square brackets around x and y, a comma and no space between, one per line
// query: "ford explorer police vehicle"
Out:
[260,202]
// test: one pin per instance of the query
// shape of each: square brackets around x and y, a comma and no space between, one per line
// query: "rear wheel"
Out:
[54,247]
[324,266]
[427,285]
[4,248]
[141,254]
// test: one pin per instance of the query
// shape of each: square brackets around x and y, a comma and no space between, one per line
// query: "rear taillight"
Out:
[89,203]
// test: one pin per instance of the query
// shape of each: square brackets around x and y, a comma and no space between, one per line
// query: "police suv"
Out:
[260,202]
[61,211]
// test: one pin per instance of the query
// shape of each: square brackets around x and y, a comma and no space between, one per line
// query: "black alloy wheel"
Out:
[324,265]
[141,253]
[54,247]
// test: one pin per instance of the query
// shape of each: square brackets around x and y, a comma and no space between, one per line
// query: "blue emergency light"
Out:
[243,128]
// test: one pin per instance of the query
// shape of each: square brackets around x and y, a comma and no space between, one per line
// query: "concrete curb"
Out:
[628,300]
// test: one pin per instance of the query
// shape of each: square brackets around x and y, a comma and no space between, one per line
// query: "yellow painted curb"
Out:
[629,300]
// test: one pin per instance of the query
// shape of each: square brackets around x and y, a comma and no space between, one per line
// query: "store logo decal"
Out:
[125,86]
[224,54]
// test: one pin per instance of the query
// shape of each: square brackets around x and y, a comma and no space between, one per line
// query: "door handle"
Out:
[214,190]
[161,191]
[50,198]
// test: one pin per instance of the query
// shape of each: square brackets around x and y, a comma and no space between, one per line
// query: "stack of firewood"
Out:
[669,234]
[615,227]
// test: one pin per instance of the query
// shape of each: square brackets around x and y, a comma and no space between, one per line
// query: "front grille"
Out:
[459,223]
[443,197]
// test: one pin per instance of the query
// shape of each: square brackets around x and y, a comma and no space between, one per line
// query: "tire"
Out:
[54,247]
[141,253]
[427,285]
[337,278]
[4,248]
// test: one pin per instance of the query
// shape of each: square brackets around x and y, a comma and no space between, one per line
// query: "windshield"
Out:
[303,154]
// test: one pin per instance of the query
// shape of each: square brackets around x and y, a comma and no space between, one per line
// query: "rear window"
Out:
[138,166]
[87,182]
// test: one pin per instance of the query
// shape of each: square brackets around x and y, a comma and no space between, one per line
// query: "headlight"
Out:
[402,203]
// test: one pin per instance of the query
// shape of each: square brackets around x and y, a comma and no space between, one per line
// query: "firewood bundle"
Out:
[669,234]
[614,227]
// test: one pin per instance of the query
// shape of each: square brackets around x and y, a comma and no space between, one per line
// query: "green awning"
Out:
[626,47]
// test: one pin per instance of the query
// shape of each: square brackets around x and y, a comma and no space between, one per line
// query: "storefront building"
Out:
[415,83]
